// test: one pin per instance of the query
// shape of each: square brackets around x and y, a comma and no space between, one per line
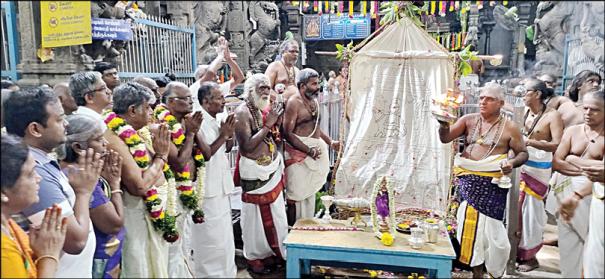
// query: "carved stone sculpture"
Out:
[265,35]
[209,26]
[583,22]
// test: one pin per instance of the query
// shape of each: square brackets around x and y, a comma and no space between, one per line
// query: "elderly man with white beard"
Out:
[307,160]
[261,170]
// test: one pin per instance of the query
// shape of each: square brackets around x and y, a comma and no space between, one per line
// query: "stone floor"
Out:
[548,258]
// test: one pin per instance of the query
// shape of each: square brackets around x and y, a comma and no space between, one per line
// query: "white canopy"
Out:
[392,131]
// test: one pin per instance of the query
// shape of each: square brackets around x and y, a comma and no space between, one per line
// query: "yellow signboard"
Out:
[65,23]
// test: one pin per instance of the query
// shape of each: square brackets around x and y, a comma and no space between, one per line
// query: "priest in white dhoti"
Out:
[594,250]
[542,132]
[482,182]
[212,241]
[307,158]
[580,157]
[581,147]
[261,174]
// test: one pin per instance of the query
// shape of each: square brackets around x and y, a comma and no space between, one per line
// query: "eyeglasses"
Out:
[188,98]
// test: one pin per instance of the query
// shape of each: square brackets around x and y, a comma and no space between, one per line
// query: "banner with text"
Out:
[65,23]
[111,29]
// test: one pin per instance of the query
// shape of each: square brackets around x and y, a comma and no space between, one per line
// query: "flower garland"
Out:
[386,238]
[187,194]
[162,220]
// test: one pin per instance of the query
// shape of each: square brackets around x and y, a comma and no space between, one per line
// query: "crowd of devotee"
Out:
[105,178]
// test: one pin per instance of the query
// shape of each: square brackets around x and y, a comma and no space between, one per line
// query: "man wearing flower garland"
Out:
[145,252]
[214,253]
[263,219]
[488,139]
[176,113]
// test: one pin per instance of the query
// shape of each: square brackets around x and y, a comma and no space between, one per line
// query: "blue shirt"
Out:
[54,188]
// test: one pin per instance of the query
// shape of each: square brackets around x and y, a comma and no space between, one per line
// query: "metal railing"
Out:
[159,46]
[10,43]
[331,110]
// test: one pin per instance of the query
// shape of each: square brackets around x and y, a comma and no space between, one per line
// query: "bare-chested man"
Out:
[284,70]
[307,157]
[593,265]
[145,251]
[553,101]
[261,172]
[489,137]
[584,82]
[542,133]
[581,146]
[177,100]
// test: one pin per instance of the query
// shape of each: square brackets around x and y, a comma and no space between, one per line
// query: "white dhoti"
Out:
[178,260]
[483,240]
[572,236]
[481,233]
[263,220]
[594,249]
[212,241]
[305,176]
[145,252]
[535,174]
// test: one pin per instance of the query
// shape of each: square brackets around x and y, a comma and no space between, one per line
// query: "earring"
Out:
[4,198]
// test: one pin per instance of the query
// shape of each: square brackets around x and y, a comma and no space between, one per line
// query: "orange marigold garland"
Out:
[187,194]
[161,221]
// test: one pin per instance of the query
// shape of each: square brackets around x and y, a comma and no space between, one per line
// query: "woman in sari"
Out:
[36,256]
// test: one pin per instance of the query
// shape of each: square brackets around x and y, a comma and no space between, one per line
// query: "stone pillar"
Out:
[181,12]
[151,7]
[33,71]
[237,34]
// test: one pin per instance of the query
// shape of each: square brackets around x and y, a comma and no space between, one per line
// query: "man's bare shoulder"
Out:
[511,125]
[465,118]
[272,66]
[573,129]
[562,99]
[551,113]
[116,143]
[566,106]
[294,100]
[242,111]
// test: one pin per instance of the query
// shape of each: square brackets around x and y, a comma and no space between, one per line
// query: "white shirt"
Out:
[225,89]
[86,111]
[218,180]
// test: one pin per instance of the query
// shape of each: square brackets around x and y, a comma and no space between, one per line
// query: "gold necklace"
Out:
[290,73]
[482,137]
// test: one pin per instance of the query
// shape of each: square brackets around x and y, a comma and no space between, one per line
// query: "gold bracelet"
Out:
[46,257]
[117,191]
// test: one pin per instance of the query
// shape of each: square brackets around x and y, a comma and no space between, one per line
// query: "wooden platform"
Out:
[361,249]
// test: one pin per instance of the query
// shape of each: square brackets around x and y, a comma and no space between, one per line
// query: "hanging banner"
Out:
[65,23]
[111,29]
[331,27]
